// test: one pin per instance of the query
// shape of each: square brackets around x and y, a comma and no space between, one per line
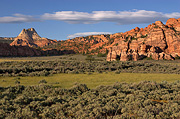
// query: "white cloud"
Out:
[120,17]
[74,17]
[86,34]
[173,15]
[17,18]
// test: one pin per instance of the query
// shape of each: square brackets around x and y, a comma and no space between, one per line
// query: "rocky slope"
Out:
[29,37]
[15,51]
[86,45]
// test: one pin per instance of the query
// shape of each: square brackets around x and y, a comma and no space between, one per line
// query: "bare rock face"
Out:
[168,57]
[124,56]
[155,56]
[44,42]
[157,41]
[171,21]
[109,55]
[174,22]
[29,37]
[159,24]
[135,56]
[152,50]
[113,56]
[143,48]
[133,45]
[172,39]
[156,38]
[161,56]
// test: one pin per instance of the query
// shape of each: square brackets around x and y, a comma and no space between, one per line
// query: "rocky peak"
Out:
[29,37]
[23,33]
[172,21]
[159,23]
[137,29]
[30,33]
[32,29]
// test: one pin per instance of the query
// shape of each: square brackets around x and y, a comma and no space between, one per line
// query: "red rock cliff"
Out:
[158,41]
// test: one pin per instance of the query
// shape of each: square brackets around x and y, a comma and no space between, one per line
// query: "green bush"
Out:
[17,82]
[90,58]
[42,81]
[144,36]
[102,55]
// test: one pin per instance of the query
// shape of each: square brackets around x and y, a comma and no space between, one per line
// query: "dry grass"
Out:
[92,80]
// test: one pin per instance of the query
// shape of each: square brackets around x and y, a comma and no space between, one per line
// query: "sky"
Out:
[64,19]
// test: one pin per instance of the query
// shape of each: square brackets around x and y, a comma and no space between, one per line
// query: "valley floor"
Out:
[91,80]
[79,86]
[130,72]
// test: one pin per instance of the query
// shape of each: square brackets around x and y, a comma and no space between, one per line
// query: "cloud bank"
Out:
[119,17]
[18,18]
[74,17]
[86,34]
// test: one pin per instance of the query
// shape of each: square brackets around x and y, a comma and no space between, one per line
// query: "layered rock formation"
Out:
[29,37]
[157,41]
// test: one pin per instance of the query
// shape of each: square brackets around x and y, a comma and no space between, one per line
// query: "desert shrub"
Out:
[17,82]
[42,81]
[117,72]
[144,36]
[39,68]
[177,57]
[73,72]
[121,100]
[101,55]
[90,58]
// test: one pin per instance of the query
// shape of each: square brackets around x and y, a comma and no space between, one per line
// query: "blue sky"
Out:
[63,19]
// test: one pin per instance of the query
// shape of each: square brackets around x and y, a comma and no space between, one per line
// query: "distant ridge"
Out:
[8,40]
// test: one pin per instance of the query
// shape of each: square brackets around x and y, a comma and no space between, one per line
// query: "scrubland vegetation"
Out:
[45,68]
[35,88]
[146,100]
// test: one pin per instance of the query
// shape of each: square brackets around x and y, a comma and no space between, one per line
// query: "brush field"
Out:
[78,86]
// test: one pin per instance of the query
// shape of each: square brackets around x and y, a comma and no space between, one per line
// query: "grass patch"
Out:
[92,81]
